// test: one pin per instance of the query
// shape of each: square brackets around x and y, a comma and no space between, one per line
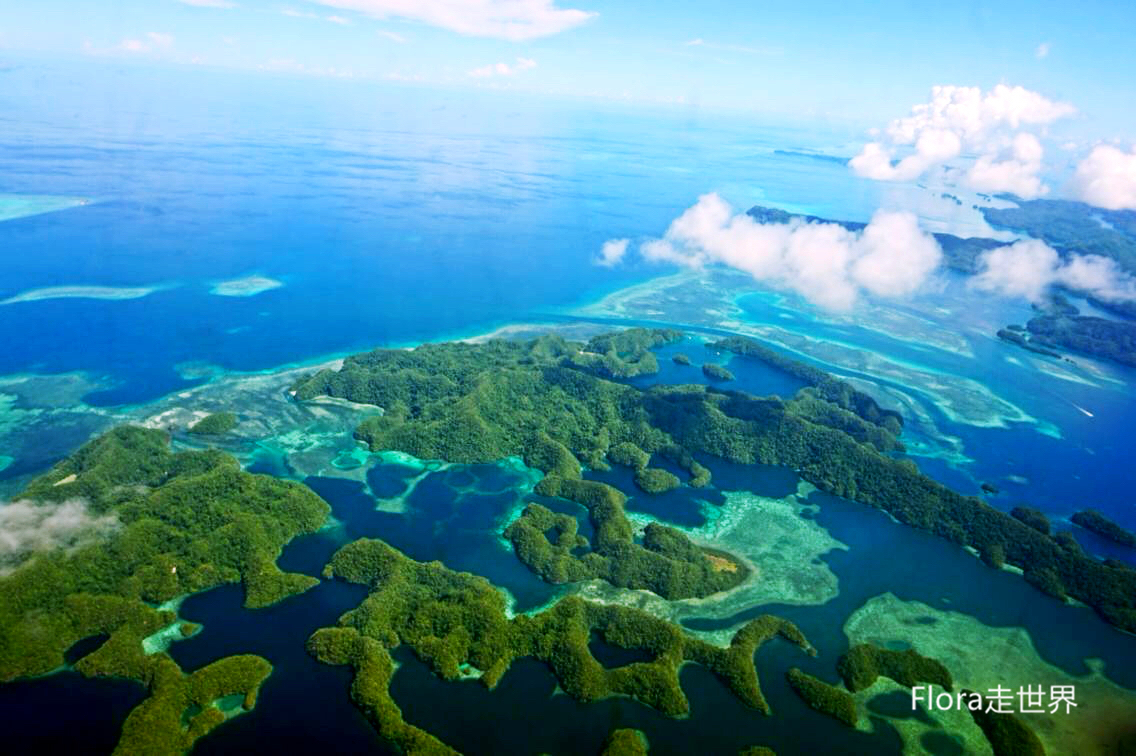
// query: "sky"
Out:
[846,60]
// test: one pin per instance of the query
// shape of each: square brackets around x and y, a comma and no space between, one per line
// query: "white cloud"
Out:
[392,36]
[339,20]
[1028,268]
[1107,178]
[1017,172]
[1042,50]
[502,19]
[223,4]
[152,42]
[298,14]
[965,118]
[823,262]
[503,69]
[28,527]
[612,252]
[695,42]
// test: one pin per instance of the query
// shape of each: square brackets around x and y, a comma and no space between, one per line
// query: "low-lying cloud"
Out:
[959,119]
[1029,268]
[504,69]
[27,528]
[1107,178]
[823,262]
[515,20]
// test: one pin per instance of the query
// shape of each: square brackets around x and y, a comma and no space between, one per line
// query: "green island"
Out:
[680,359]
[716,372]
[1091,519]
[625,742]
[1035,518]
[215,424]
[864,663]
[186,522]
[825,698]
[1109,339]
[1006,733]
[484,402]
[456,624]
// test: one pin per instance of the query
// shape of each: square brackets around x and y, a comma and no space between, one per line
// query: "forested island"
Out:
[1091,519]
[456,624]
[178,524]
[484,402]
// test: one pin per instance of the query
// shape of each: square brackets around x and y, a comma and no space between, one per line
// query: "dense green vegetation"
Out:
[1035,518]
[625,742]
[655,480]
[1072,227]
[1091,519]
[623,354]
[456,622]
[863,663]
[680,359]
[480,403]
[716,372]
[186,522]
[1109,339]
[215,424]
[825,698]
[757,751]
[1007,734]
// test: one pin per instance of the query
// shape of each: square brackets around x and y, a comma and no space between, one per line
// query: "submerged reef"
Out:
[186,522]
[454,621]
[483,402]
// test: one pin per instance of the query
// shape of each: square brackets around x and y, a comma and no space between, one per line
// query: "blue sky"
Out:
[854,61]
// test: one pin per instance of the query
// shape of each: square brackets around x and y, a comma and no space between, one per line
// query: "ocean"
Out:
[236,225]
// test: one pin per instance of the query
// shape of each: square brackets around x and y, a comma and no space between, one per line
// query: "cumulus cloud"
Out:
[1107,178]
[1028,268]
[965,118]
[612,252]
[503,69]
[824,262]
[502,19]
[29,527]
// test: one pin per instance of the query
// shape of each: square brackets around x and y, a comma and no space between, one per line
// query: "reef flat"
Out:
[13,206]
[112,293]
[248,286]
[981,658]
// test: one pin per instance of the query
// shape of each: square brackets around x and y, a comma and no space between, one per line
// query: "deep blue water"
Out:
[421,215]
